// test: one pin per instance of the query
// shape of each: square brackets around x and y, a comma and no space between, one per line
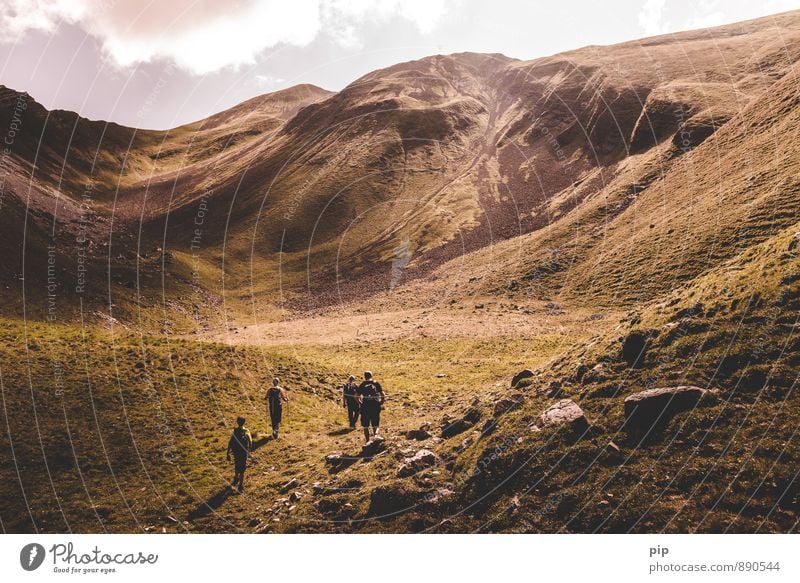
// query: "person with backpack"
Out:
[350,400]
[370,398]
[276,396]
[239,445]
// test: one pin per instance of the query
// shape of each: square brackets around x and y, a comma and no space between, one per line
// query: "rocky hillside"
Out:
[577,276]
[603,159]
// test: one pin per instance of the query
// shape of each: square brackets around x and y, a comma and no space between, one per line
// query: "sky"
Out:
[162,63]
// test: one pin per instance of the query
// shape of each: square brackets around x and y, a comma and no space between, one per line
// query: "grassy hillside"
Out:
[616,219]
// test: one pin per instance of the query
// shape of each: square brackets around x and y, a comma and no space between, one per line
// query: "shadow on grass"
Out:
[342,431]
[260,442]
[210,505]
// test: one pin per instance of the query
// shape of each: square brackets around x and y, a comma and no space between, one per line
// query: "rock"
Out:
[565,412]
[424,458]
[295,496]
[456,427]
[472,415]
[439,495]
[655,407]
[466,442]
[440,375]
[611,455]
[596,374]
[554,389]
[466,422]
[338,461]
[418,434]
[508,403]
[523,374]
[254,522]
[633,348]
[373,447]
[581,370]
[289,485]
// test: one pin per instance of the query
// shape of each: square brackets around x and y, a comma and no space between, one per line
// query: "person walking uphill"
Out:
[239,445]
[371,398]
[276,396]
[350,400]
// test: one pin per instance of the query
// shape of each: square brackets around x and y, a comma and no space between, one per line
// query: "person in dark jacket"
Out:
[239,445]
[276,397]
[350,400]
[370,398]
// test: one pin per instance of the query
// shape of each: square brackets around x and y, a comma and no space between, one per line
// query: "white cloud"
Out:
[267,81]
[203,36]
[19,16]
[651,17]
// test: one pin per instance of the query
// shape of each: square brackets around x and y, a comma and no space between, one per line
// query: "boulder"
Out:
[293,483]
[424,458]
[655,407]
[564,413]
[523,374]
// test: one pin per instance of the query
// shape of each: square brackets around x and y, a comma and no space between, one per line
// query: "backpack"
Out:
[371,391]
[240,442]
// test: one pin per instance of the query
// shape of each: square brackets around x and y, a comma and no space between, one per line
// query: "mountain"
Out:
[616,219]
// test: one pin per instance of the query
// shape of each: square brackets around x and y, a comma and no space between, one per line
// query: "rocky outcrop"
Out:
[653,408]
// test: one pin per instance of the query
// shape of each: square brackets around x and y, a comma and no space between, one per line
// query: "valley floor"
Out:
[129,432]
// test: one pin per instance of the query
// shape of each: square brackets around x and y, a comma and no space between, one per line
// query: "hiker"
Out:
[275,399]
[239,444]
[370,398]
[350,400]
